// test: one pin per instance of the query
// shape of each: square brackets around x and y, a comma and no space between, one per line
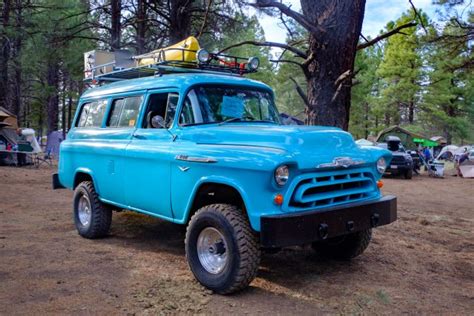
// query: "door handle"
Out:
[138,136]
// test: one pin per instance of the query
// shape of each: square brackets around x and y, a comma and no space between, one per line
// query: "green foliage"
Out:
[365,112]
[449,102]
[400,72]
[287,73]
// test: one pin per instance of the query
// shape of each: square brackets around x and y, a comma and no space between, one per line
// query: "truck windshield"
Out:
[211,104]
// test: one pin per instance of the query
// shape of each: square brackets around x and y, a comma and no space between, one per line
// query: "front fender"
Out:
[210,179]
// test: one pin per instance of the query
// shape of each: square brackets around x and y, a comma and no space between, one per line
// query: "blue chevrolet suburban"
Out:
[208,150]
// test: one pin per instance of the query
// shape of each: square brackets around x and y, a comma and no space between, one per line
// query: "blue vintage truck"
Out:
[206,149]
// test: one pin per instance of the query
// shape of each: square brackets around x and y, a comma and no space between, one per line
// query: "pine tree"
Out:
[400,71]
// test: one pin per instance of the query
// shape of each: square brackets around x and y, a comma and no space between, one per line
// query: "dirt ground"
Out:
[423,263]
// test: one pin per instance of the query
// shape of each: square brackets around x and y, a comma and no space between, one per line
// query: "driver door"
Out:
[148,157]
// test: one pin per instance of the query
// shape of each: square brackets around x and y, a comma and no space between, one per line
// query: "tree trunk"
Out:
[141,26]
[18,44]
[69,106]
[366,118]
[4,56]
[53,97]
[334,49]
[116,27]
[411,112]
[63,104]
[180,20]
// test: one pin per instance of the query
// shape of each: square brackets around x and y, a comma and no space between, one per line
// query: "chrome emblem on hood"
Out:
[341,162]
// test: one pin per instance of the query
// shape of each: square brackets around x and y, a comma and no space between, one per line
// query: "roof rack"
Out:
[122,66]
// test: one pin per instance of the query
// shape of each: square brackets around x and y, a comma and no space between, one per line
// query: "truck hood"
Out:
[308,146]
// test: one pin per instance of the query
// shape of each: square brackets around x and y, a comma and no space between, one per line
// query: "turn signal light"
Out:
[379,184]
[278,199]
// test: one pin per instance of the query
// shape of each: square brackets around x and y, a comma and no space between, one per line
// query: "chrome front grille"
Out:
[332,188]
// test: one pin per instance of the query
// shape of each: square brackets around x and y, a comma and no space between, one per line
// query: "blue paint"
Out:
[136,168]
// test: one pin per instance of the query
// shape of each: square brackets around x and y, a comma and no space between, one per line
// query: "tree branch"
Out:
[417,15]
[300,92]
[286,61]
[385,35]
[298,17]
[292,49]
[203,26]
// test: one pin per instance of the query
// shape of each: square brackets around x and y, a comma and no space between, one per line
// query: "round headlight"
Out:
[203,56]
[381,165]
[253,63]
[282,174]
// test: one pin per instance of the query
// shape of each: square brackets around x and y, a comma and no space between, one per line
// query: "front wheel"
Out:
[221,248]
[91,217]
[408,174]
[344,247]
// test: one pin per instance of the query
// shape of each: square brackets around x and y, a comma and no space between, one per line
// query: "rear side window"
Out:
[92,114]
[124,112]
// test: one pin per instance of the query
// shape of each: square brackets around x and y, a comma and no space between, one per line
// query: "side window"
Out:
[162,104]
[84,114]
[124,112]
[92,114]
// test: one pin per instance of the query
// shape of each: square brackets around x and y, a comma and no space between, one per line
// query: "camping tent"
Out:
[52,144]
[409,139]
[450,150]
[7,117]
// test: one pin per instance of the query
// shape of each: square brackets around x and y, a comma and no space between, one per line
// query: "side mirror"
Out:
[158,121]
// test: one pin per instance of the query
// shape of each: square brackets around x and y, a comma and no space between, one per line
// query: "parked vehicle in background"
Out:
[206,149]
[471,155]
[402,161]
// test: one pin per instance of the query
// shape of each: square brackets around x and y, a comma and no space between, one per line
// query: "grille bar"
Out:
[332,195]
[327,189]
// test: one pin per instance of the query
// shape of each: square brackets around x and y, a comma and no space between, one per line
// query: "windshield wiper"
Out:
[247,119]
[265,121]
[234,119]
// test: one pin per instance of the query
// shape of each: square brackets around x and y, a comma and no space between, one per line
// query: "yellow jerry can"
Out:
[182,51]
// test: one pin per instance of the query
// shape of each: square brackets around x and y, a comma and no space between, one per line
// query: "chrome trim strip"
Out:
[195,159]
[341,162]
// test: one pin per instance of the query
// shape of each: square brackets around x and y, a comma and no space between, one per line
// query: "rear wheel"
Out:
[408,174]
[92,218]
[344,247]
[221,248]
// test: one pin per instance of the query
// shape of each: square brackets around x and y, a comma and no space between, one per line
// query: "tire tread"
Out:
[246,240]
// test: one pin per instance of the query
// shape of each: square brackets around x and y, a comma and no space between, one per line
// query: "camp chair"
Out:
[45,159]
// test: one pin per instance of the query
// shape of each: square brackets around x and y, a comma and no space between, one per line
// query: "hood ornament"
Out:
[341,162]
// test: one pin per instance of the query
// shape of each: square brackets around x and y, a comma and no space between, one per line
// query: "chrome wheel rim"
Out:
[84,210]
[212,250]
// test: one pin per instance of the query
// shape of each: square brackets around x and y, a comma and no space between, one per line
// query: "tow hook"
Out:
[350,226]
[374,220]
[323,231]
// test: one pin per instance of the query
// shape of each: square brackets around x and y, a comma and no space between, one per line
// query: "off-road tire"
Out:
[408,174]
[344,247]
[101,214]
[243,248]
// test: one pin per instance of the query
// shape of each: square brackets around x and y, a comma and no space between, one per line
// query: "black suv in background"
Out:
[402,162]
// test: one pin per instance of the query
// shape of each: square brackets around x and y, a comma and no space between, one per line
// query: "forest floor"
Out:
[422,263]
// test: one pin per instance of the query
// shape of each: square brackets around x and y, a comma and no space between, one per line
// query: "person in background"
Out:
[464,156]
[21,157]
[427,154]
